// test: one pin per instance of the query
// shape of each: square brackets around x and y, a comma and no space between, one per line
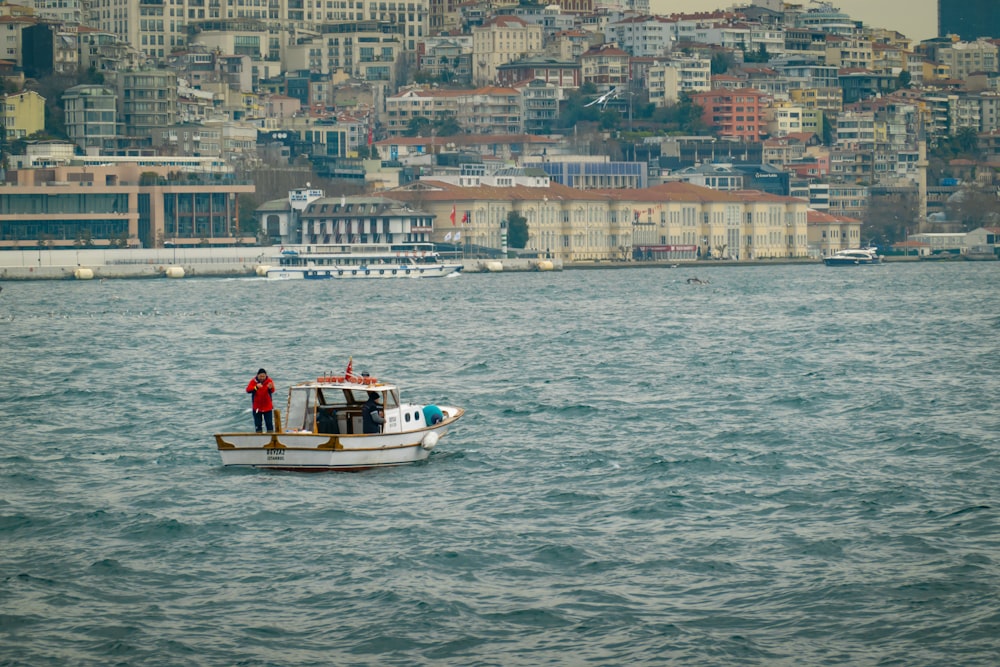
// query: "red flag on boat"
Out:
[350,368]
[453,214]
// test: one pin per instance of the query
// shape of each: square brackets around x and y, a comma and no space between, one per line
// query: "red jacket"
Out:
[261,397]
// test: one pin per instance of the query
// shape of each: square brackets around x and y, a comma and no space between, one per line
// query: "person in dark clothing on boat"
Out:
[371,414]
[260,388]
[326,421]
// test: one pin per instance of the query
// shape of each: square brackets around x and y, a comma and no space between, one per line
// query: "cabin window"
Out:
[301,410]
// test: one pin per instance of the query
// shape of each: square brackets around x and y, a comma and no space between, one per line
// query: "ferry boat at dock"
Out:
[360,261]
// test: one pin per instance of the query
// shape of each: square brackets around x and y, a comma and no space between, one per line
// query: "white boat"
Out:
[322,429]
[853,257]
[361,260]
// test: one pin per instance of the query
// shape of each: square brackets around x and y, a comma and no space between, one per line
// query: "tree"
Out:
[517,230]
[760,56]
[418,126]
[967,140]
[721,62]
[905,78]
[447,126]
[889,216]
[963,144]
[974,207]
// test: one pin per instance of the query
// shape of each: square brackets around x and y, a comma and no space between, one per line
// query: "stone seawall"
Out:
[130,263]
[185,262]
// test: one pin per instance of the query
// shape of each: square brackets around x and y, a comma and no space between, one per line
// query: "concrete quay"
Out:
[90,263]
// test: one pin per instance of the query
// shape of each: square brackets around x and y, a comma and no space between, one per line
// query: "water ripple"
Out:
[791,465]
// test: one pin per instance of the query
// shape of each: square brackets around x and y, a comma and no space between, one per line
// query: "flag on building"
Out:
[453,214]
[447,237]
[465,217]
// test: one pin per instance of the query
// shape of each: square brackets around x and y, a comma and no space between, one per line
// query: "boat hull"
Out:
[838,261]
[316,452]
[381,271]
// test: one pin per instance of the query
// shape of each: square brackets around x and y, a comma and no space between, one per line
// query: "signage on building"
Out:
[304,195]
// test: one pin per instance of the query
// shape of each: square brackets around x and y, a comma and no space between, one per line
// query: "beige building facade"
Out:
[500,40]
[670,221]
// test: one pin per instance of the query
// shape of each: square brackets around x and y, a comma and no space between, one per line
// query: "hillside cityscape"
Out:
[580,130]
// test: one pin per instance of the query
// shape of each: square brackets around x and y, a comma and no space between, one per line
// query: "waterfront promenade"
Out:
[84,263]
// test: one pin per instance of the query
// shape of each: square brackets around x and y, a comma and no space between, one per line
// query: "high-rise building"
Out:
[159,28]
[969,19]
[90,115]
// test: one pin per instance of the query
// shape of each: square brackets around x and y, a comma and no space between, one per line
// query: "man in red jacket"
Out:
[261,388]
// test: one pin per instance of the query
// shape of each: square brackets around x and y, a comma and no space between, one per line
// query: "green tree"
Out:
[759,56]
[721,62]
[447,126]
[967,140]
[517,230]
[418,126]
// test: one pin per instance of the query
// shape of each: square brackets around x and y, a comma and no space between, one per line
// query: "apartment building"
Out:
[90,114]
[668,79]
[10,37]
[849,52]
[539,105]
[158,28]
[487,110]
[965,58]
[605,66]
[558,72]
[148,101]
[502,39]
[783,118]
[643,36]
[406,105]
[855,130]
[23,114]
[736,114]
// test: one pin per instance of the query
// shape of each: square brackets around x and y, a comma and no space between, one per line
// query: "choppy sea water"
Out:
[790,465]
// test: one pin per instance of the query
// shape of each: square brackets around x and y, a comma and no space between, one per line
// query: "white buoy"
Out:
[262,270]
[175,272]
[429,441]
[494,267]
[83,273]
[545,265]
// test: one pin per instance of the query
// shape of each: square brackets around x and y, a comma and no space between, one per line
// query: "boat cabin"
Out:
[315,407]
[359,254]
